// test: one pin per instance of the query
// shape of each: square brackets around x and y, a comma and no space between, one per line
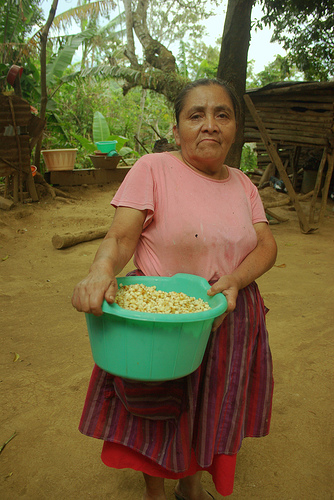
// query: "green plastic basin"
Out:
[152,346]
[106,146]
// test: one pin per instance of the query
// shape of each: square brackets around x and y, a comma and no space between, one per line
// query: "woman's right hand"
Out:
[89,294]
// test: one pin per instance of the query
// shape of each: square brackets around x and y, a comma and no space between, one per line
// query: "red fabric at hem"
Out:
[222,468]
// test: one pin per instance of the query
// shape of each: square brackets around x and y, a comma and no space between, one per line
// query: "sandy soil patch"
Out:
[45,362]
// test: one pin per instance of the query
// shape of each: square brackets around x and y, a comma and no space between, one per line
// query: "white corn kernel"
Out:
[144,298]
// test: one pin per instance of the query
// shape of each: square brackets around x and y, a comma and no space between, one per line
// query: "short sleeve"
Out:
[137,189]
[252,193]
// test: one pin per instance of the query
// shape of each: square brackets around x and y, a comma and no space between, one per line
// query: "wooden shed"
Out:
[287,118]
[19,132]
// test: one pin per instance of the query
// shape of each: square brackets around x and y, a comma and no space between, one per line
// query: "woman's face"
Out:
[206,128]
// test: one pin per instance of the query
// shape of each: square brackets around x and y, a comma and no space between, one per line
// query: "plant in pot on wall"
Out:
[111,148]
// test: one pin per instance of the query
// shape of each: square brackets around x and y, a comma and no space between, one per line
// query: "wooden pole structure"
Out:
[317,186]
[330,160]
[18,187]
[270,147]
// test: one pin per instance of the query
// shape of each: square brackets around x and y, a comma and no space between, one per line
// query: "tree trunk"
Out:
[44,97]
[232,65]
[140,120]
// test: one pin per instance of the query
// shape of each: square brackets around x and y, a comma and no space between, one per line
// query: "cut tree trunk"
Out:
[66,240]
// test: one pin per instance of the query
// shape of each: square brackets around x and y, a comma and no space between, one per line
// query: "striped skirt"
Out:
[207,413]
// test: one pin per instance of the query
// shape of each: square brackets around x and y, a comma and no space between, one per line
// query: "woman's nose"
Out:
[210,123]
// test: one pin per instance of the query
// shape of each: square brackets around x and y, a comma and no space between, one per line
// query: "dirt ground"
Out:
[45,362]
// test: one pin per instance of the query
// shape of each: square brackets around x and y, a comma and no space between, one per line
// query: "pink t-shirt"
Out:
[194,224]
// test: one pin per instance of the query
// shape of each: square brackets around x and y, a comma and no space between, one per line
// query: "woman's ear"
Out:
[176,135]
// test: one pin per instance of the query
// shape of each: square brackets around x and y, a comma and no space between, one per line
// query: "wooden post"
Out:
[330,159]
[269,171]
[31,186]
[294,158]
[270,147]
[15,178]
[317,186]
[18,146]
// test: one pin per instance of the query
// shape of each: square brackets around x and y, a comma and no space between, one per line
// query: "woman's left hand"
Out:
[229,287]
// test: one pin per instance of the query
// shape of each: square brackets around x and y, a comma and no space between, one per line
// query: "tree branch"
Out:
[130,52]
[156,54]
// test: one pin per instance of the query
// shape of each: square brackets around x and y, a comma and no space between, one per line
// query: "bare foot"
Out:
[146,496]
[202,494]
[155,488]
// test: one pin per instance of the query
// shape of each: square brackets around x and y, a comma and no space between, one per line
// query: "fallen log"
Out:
[275,216]
[66,240]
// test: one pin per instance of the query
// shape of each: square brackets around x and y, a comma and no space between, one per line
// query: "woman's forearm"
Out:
[259,261]
[112,255]
[120,242]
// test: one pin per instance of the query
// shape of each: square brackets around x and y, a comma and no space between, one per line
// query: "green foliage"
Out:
[101,133]
[197,60]
[172,20]
[85,143]
[17,20]
[182,60]
[61,60]
[248,159]
[278,70]
[101,42]
[305,28]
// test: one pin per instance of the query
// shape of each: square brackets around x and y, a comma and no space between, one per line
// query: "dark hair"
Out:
[228,87]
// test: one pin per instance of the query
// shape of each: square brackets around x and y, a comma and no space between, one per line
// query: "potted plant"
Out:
[101,134]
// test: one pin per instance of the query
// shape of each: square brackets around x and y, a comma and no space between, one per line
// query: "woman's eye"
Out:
[195,116]
[222,115]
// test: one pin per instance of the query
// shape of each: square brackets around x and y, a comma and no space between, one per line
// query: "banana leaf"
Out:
[63,59]
[91,148]
[120,141]
[100,128]
[126,151]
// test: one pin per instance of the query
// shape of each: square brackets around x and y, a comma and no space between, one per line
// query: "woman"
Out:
[186,211]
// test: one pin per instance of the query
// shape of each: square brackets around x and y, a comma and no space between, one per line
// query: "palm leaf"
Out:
[81,12]
[116,21]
